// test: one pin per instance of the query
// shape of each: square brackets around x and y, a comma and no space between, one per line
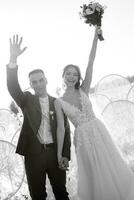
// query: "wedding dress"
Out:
[102,172]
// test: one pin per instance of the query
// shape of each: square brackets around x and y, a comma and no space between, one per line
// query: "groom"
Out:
[38,140]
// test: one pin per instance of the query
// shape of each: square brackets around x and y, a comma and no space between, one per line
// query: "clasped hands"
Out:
[63,163]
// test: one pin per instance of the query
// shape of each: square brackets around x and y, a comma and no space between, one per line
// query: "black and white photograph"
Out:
[67,100]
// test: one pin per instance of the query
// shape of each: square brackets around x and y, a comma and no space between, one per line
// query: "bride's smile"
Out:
[71,76]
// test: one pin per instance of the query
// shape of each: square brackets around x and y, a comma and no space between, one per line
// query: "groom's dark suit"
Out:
[36,154]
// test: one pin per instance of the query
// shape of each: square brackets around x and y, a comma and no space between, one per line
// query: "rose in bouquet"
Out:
[92,13]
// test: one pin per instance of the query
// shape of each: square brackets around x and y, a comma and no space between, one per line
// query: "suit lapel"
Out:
[52,116]
[37,103]
[33,112]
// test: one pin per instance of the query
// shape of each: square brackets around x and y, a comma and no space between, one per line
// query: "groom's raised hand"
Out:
[15,48]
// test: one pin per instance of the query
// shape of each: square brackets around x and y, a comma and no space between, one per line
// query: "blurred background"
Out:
[56,36]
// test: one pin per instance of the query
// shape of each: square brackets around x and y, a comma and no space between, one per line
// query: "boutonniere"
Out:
[52,114]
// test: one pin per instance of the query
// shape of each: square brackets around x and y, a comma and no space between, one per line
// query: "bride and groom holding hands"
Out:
[45,135]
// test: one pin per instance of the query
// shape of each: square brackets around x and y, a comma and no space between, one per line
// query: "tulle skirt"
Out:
[102,172]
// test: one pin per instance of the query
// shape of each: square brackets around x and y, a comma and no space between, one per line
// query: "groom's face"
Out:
[38,82]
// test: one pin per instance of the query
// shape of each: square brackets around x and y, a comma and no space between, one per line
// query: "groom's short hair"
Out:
[35,71]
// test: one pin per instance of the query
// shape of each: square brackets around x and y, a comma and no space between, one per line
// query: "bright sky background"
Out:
[55,36]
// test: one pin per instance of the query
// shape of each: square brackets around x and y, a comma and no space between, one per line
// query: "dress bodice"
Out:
[77,116]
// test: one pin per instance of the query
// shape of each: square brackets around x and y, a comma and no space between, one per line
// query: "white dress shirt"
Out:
[44,133]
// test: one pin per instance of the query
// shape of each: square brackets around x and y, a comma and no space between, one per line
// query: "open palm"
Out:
[15,46]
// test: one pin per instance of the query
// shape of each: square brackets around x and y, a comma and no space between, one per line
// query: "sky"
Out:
[56,36]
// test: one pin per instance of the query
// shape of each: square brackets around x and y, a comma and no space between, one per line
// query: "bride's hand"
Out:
[99,30]
[63,162]
[59,156]
[99,33]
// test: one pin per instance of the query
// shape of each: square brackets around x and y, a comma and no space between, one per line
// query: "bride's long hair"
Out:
[77,85]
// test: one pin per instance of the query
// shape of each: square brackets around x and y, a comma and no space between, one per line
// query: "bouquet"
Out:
[92,13]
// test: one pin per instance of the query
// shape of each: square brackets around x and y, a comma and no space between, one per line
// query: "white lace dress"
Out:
[102,173]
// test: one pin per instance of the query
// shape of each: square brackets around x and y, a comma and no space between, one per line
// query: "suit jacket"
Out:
[28,142]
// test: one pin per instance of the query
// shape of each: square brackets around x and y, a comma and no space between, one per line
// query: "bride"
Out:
[102,173]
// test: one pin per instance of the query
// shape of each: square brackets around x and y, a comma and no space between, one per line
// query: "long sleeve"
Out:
[14,87]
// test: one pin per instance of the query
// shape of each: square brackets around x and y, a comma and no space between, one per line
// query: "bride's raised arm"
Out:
[89,71]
